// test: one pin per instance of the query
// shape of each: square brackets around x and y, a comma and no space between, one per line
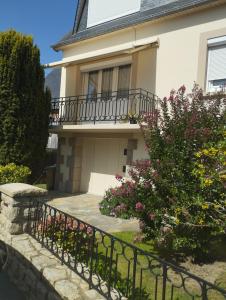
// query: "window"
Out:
[100,11]
[108,80]
[216,68]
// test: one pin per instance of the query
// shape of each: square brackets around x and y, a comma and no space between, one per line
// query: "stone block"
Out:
[21,190]
[67,290]
[76,186]
[10,227]
[8,201]
[41,262]
[62,141]
[54,274]
[11,213]
[92,295]
[61,160]
[22,246]
[71,141]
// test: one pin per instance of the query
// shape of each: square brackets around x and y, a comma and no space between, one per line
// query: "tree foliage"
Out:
[179,193]
[24,104]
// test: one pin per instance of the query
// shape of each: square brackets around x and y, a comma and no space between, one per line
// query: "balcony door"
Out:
[92,88]
[107,93]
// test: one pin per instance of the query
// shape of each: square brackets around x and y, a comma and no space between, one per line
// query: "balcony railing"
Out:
[112,107]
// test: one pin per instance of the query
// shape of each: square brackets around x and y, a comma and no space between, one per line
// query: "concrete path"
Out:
[86,207]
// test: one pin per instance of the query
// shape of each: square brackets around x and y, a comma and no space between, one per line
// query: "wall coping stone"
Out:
[20,190]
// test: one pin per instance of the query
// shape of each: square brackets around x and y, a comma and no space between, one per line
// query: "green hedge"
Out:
[12,173]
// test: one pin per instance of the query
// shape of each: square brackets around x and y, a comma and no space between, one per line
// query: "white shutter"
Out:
[216,63]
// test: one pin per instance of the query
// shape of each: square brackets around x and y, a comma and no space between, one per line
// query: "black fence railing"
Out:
[104,107]
[116,269]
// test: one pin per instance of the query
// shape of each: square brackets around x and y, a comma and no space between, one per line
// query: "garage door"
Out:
[102,160]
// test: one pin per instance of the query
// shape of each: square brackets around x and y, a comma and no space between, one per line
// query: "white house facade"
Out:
[118,57]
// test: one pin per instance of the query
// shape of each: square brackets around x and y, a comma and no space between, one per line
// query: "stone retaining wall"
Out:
[32,268]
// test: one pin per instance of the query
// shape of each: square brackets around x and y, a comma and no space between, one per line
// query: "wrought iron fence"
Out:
[113,267]
[104,107]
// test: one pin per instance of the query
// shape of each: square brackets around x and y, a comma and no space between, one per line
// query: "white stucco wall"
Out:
[175,62]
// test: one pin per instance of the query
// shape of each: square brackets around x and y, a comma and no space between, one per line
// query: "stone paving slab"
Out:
[86,208]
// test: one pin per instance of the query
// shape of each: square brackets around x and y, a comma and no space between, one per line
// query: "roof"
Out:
[150,10]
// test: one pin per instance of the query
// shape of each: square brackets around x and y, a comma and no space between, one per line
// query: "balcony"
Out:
[115,107]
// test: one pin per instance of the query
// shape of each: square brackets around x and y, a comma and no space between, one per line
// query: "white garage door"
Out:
[102,160]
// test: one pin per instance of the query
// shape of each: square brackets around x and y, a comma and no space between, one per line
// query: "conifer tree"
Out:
[24,104]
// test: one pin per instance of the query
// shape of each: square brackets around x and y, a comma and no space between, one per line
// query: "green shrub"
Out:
[12,173]
[179,193]
[24,103]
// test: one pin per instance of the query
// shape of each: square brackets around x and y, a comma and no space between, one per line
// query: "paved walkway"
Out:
[86,208]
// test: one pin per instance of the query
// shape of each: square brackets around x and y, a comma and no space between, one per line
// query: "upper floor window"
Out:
[101,11]
[216,68]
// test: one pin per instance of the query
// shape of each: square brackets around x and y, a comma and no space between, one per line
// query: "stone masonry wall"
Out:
[34,270]
[68,173]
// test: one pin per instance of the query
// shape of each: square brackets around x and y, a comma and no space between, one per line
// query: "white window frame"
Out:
[214,42]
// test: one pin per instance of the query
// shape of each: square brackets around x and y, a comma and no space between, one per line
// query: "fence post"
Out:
[134,273]
[91,257]
[164,274]
[204,292]
[110,267]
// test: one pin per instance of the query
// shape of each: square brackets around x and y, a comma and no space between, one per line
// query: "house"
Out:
[119,55]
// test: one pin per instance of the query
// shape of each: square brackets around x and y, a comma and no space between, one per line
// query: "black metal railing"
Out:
[116,269]
[103,107]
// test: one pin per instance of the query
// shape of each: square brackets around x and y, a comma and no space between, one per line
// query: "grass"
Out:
[118,272]
[41,186]
[149,277]
[148,270]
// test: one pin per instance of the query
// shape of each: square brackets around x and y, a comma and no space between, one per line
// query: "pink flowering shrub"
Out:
[165,192]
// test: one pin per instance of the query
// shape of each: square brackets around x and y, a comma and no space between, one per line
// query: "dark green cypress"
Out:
[24,103]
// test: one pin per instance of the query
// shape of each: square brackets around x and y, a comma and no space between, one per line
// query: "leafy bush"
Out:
[178,194]
[12,173]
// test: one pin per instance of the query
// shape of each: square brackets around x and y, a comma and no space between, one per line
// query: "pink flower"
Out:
[141,225]
[182,89]
[82,226]
[155,174]
[118,177]
[89,231]
[151,216]
[139,207]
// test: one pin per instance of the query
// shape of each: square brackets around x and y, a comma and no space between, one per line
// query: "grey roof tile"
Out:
[150,10]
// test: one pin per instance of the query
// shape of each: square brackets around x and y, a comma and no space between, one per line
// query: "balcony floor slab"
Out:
[97,128]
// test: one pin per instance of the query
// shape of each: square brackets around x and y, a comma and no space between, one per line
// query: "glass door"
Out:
[92,89]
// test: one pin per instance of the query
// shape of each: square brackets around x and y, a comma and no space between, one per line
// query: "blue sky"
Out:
[46,20]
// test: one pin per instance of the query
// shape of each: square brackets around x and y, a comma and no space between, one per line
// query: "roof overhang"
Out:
[126,48]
